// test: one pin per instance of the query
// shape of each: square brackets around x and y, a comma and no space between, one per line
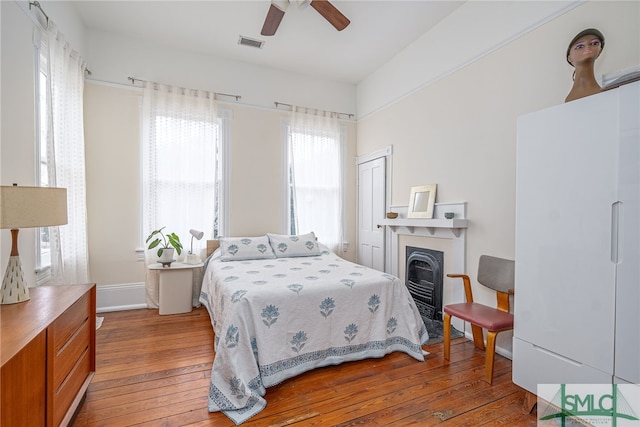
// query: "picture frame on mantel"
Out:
[421,201]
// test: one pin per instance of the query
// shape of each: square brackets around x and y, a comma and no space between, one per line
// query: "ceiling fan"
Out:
[324,8]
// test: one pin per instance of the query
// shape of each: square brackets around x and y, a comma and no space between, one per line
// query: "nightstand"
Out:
[175,285]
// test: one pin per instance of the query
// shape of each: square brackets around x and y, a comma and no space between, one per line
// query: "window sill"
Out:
[43,276]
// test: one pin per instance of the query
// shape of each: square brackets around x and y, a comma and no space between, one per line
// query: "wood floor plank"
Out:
[155,370]
[365,405]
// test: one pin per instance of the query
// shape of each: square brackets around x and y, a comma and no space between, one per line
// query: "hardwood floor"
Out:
[154,370]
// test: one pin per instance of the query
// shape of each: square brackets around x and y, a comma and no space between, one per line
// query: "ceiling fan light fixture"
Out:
[281,4]
[277,10]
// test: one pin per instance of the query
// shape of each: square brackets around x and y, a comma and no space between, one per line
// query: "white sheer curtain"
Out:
[180,135]
[316,167]
[69,248]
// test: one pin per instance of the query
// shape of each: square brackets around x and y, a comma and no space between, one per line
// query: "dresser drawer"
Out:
[64,395]
[70,321]
[67,356]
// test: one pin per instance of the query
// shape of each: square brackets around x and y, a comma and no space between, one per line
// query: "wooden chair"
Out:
[494,273]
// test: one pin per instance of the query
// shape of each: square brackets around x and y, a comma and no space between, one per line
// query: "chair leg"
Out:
[447,335]
[478,339]
[490,356]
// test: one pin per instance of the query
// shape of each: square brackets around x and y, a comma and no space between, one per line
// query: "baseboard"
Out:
[500,350]
[128,296]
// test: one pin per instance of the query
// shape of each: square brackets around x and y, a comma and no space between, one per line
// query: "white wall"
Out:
[113,184]
[473,30]
[113,58]
[17,158]
[460,132]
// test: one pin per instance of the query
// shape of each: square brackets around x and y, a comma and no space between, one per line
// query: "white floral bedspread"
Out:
[276,318]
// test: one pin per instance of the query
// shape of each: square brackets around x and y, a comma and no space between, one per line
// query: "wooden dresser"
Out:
[47,351]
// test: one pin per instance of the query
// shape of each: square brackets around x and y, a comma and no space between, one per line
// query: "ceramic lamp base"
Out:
[193,259]
[14,287]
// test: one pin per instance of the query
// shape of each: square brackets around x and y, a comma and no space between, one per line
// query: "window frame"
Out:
[223,179]
[42,268]
[286,223]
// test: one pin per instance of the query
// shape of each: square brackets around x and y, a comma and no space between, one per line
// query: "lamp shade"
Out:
[197,234]
[28,207]
[192,258]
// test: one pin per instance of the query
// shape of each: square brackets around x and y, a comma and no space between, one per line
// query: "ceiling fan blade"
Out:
[331,14]
[272,21]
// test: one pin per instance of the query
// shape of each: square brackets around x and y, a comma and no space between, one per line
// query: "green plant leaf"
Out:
[151,236]
[154,232]
[154,243]
[174,241]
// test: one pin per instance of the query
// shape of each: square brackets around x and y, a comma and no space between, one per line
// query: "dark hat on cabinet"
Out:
[587,32]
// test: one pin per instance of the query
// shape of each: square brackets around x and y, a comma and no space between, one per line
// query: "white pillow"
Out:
[243,248]
[296,245]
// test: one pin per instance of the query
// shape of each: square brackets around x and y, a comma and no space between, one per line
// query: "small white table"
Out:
[175,287]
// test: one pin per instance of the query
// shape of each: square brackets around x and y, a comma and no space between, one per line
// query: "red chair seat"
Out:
[487,318]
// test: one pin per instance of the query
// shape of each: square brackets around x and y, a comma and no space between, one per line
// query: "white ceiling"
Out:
[305,42]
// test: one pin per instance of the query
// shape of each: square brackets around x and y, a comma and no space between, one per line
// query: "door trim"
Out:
[386,152]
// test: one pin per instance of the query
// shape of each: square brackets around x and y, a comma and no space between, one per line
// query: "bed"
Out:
[283,305]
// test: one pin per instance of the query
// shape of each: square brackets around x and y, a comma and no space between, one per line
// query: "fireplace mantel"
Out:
[439,227]
[412,225]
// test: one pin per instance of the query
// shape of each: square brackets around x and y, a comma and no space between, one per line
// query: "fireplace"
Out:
[424,278]
[438,233]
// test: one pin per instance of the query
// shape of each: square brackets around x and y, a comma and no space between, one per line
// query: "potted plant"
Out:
[165,244]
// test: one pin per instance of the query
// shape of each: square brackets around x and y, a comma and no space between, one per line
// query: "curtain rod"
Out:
[349,115]
[237,97]
[37,5]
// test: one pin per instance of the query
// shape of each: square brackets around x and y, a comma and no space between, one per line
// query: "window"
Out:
[183,161]
[189,176]
[315,182]
[42,120]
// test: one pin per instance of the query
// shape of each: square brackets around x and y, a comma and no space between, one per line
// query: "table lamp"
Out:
[191,257]
[26,207]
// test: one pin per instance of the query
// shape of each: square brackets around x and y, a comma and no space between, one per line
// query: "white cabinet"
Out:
[577,237]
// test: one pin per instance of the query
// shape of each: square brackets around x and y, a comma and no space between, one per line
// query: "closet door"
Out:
[371,211]
[565,190]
